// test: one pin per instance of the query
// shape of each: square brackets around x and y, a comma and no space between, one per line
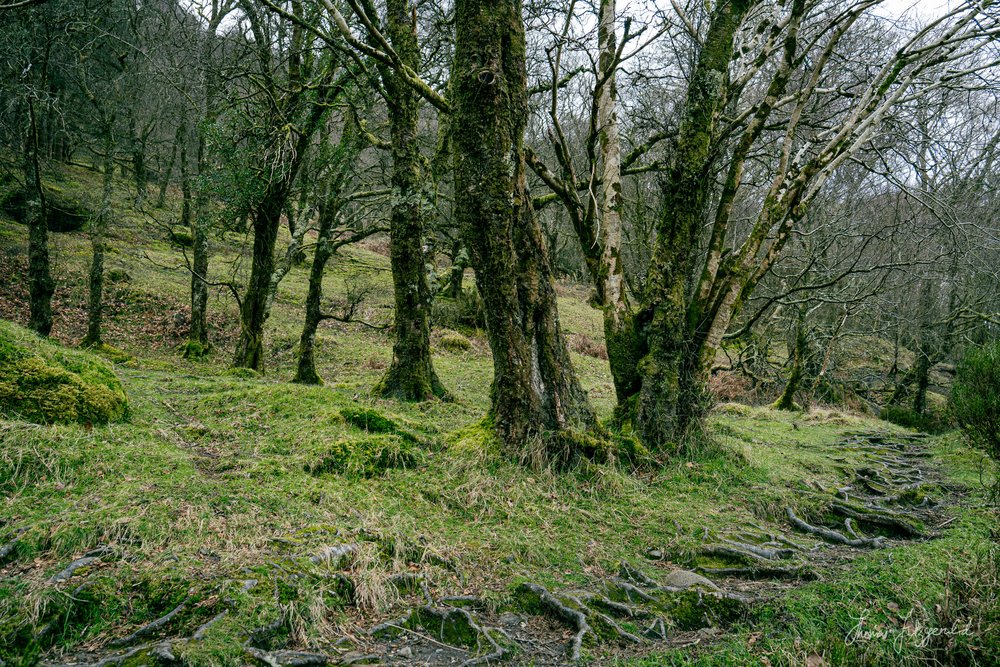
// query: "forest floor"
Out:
[239,519]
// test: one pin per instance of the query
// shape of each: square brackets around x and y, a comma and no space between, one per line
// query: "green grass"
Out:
[216,480]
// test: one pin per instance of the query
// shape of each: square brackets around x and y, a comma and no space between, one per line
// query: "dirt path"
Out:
[644,608]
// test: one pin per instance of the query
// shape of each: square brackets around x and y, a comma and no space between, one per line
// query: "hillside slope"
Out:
[238,519]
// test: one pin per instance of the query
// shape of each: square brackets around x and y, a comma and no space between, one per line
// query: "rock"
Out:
[509,620]
[654,554]
[685,579]
[405,652]
[334,556]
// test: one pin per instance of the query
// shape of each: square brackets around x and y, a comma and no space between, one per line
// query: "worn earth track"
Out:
[635,612]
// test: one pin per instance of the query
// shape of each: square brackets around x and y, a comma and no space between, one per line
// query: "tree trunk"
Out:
[787,399]
[923,381]
[411,375]
[456,276]
[924,351]
[673,396]
[536,396]
[619,328]
[196,217]
[305,372]
[161,197]
[139,174]
[253,310]
[40,283]
[98,234]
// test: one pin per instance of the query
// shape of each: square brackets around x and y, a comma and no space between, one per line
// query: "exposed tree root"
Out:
[151,627]
[739,554]
[657,630]
[574,618]
[199,634]
[456,629]
[265,632]
[629,591]
[287,658]
[599,618]
[409,582]
[610,606]
[833,536]
[466,601]
[161,652]
[758,573]
[883,519]
[89,558]
[635,576]
[8,548]
[763,552]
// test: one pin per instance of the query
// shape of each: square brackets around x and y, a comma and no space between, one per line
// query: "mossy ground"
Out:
[210,483]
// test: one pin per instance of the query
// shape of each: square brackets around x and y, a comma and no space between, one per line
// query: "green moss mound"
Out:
[45,383]
[61,213]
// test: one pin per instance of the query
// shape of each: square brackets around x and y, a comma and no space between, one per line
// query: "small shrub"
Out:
[588,347]
[44,383]
[367,457]
[119,276]
[466,312]
[455,342]
[975,398]
[731,387]
[903,416]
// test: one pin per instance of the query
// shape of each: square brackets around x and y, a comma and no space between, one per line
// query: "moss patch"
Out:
[45,383]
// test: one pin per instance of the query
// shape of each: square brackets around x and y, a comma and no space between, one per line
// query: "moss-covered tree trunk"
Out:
[40,283]
[456,275]
[536,396]
[198,342]
[674,377]
[787,399]
[253,310]
[305,372]
[137,146]
[925,347]
[411,375]
[98,239]
[161,197]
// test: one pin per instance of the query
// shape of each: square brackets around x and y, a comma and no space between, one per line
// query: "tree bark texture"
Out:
[536,397]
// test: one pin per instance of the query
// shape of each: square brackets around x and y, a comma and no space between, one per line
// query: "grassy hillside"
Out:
[240,513]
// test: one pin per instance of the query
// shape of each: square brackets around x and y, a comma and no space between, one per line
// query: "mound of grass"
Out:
[367,457]
[45,383]
[454,342]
